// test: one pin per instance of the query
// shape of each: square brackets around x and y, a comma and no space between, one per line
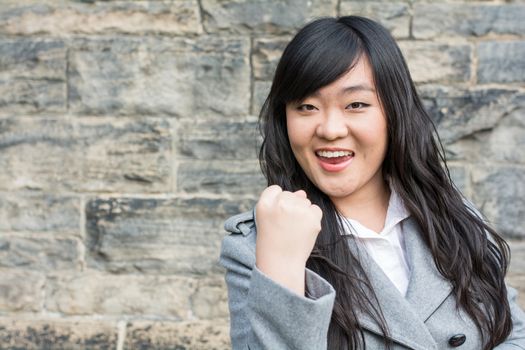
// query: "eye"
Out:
[306,108]
[357,105]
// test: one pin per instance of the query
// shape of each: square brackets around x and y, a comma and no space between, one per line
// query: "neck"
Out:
[368,206]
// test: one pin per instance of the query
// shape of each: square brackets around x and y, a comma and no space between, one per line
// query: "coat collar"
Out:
[427,289]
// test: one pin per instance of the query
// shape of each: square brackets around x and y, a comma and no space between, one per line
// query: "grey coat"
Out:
[265,315]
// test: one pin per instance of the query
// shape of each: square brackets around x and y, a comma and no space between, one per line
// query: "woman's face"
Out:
[339,136]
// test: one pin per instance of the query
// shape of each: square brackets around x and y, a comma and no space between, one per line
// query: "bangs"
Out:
[318,55]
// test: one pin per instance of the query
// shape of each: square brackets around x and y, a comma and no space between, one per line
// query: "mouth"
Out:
[334,160]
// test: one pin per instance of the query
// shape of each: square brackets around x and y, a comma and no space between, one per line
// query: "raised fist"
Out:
[287,227]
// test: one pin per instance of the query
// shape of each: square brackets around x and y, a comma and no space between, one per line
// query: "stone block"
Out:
[206,76]
[57,335]
[210,300]
[266,54]
[518,282]
[20,291]
[32,75]
[479,125]
[266,17]
[502,143]
[45,254]
[36,212]
[224,140]
[432,20]
[432,62]
[201,335]
[395,16]
[163,235]
[221,177]
[57,18]
[85,154]
[463,112]
[261,89]
[501,62]
[136,295]
[458,174]
[499,193]
[516,274]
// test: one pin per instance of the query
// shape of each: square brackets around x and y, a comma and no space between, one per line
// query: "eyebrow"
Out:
[352,88]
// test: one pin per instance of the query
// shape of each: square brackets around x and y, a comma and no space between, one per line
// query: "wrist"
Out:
[287,272]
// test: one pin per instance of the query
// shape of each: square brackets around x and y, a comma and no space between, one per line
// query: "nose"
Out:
[332,126]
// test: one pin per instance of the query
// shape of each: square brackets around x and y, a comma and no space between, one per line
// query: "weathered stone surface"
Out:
[218,139]
[479,125]
[502,143]
[59,18]
[145,296]
[239,16]
[395,16]
[20,291]
[518,282]
[158,235]
[210,300]
[178,76]
[38,212]
[85,154]
[57,335]
[178,335]
[32,75]
[233,177]
[431,62]
[265,56]
[442,19]
[39,253]
[462,112]
[499,192]
[516,275]
[261,89]
[501,62]
[458,174]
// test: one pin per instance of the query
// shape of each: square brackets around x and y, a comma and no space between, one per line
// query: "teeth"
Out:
[329,154]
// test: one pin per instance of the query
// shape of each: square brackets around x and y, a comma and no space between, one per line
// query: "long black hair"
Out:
[466,251]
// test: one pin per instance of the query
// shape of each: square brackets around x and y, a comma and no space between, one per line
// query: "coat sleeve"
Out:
[516,340]
[266,315]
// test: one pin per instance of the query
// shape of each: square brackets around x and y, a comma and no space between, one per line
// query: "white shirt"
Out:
[387,247]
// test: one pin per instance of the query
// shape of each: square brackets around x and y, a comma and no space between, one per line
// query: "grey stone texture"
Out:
[32,75]
[157,235]
[128,134]
[21,290]
[85,154]
[208,75]
[442,19]
[262,17]
[57,334]
[501,62]
[435,62]
[182,335]
[395,16]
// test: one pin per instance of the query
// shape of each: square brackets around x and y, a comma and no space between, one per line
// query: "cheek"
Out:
[297,135]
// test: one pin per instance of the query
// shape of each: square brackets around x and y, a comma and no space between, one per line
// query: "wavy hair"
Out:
[466,251]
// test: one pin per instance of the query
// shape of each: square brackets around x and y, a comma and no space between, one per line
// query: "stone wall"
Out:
[128,134]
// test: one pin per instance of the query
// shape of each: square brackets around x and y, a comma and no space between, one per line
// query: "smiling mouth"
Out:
[334,157]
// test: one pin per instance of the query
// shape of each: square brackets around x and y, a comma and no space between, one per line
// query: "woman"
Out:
[361,239]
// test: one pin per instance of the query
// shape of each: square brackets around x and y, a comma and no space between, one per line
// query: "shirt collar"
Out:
[396,212]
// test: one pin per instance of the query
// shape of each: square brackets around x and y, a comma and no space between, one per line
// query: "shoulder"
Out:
[243,223]
[239,244]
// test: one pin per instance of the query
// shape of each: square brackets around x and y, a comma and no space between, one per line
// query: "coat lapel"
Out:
[405,317]
[427,288]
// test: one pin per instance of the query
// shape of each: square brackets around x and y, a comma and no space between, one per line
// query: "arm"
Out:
[267,315]
[516,339]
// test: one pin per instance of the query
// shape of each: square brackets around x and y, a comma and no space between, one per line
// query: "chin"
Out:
[336,192]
